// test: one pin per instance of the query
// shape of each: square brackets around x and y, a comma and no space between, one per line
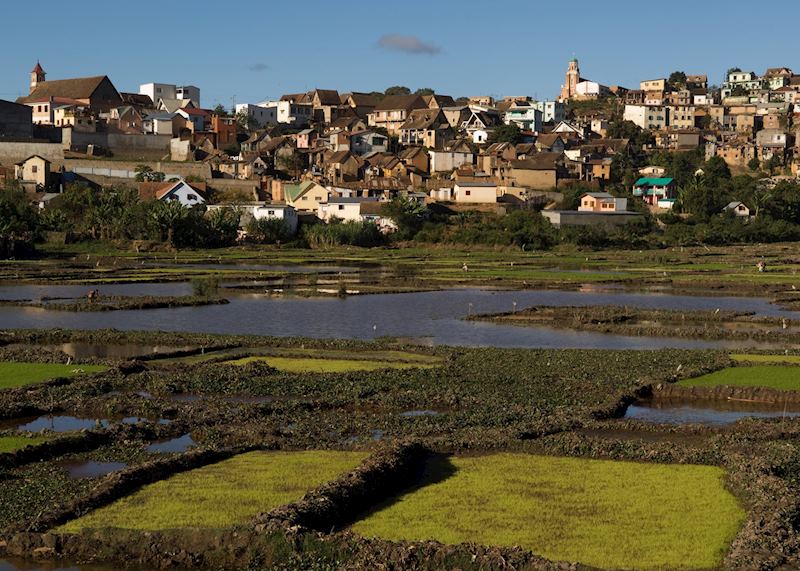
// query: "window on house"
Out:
[34,169]
[341,207]
[191,196]
[468,192]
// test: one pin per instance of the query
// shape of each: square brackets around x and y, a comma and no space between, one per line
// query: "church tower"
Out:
[37,76]
[572,79]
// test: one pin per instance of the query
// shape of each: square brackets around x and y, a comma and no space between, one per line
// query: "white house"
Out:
[179,191]
[552,111]
[738,209]
[261,116]
[356,209]
[652,117]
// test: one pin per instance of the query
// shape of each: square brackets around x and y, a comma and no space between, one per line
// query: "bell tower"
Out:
[573,78]
[37,76]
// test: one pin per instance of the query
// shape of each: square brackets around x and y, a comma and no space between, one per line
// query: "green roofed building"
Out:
[306,196]
[657,192]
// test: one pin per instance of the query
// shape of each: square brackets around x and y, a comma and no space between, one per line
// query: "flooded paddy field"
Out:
[237,451]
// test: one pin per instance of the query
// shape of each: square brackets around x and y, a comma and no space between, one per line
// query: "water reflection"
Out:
[436,316]
[708,412]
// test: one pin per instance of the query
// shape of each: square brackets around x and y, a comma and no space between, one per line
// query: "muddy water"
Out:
[91,468]
[172,446]
[708,412]
[435,316]
[54,424]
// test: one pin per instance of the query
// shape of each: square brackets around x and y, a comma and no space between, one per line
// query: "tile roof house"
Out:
[96,92]
[426,127]
[392,111]
[540,171]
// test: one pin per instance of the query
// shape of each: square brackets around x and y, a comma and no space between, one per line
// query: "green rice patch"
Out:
[221,495]
[602,513]
[13,374]
[746,358]
[14,443]
[312,365]
[783,378]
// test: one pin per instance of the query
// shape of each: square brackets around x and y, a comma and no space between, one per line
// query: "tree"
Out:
[677,78]
[773,163]
[407,214]
[268,230]
[739,91]
[167,216]
[145,173]
[246,121]
[397,90]
[506,134]
[18,223]
[754,164]
[732,70]
[424,91]
[700,198]
[716,171]
[220,110]
[223,227]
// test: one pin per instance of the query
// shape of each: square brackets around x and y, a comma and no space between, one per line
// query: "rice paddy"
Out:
[221,495]
[603,513]
[13,374]
[784,378]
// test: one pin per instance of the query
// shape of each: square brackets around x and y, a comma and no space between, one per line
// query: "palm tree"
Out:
[166,215]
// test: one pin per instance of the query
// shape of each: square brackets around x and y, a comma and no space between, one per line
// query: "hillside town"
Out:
[330,156]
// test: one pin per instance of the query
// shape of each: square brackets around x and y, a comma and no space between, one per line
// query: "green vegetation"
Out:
[14,374]
[14,443]
[224,494]
[752,358]
[784,378]
[310,365]
[602,513]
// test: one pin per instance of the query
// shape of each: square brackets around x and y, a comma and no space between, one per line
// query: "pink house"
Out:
[306,139]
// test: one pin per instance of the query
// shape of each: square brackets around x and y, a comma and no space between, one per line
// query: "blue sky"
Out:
[251,50]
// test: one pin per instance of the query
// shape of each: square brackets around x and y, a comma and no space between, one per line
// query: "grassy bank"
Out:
[602,513]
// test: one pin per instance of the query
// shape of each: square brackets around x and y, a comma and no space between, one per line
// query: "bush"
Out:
[343,234]
[268,231]
[205,287]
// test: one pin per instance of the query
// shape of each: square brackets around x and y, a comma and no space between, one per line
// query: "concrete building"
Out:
[294,113]
[525,116]
[562,218]
[16,121]
[649,117]
[156,91]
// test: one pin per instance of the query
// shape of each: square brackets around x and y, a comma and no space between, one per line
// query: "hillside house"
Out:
[657,192]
